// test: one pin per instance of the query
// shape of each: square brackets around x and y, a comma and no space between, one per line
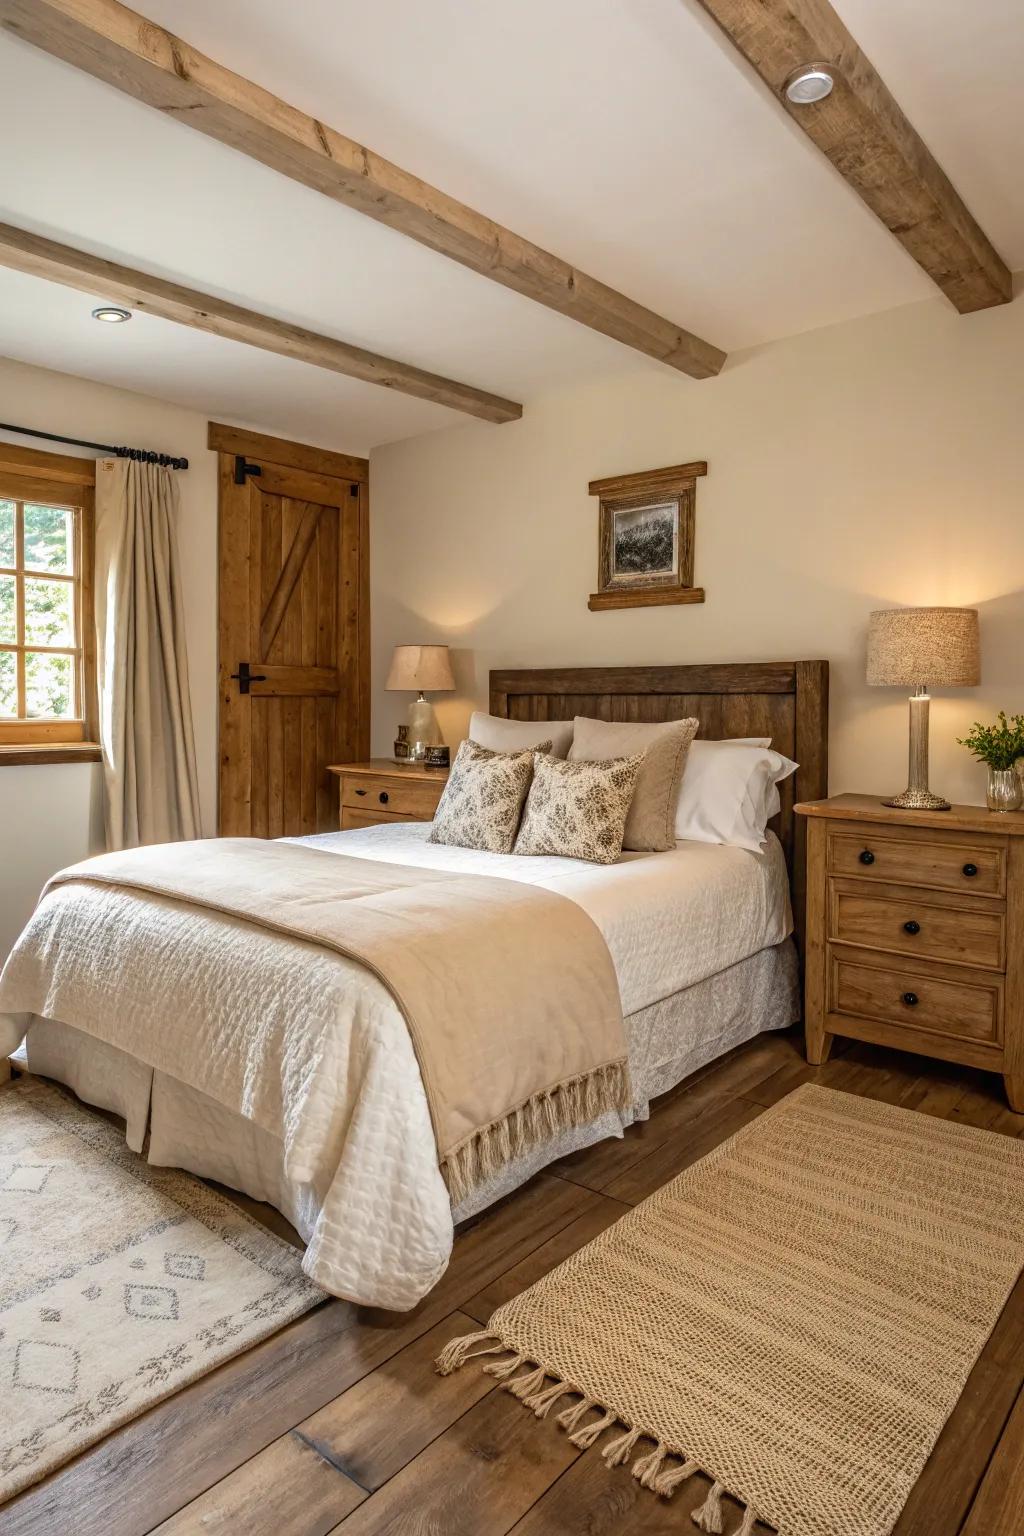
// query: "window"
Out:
[45,611]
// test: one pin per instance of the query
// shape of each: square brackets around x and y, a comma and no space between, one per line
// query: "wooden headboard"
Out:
[786,700]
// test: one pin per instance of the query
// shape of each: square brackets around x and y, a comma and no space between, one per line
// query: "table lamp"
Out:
[913,647]
[419,669]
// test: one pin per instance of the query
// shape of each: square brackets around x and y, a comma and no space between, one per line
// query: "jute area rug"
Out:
[119,1283]
[795,1315]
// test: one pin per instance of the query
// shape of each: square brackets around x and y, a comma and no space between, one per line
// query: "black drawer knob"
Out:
[910,998]
[383,797]
[970,870]
[867,857]
[360,791]
[912,927]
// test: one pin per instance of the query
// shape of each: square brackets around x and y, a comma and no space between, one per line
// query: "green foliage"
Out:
[49,612]
[997,745]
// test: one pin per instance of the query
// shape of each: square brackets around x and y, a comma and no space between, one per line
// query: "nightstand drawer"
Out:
[351,818]
[976,869]
[917,1000]
[415,799]
[908,924]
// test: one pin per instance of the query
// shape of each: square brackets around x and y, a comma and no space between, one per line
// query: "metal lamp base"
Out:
[918,800]
[917,796]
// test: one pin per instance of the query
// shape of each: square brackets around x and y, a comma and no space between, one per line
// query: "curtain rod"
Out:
[143,454]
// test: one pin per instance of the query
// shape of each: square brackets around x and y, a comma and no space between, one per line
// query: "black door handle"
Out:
[244,677]
[911,927]
[910,998]
[867,857]
[383,797]
[360,791]
[970,869]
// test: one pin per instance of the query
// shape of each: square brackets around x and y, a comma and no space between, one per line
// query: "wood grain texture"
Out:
[61,467]
[674,477]
[644,597]
[265,449]
[115,44]
[23,251]
[293,563]
[863,132]
[950,985]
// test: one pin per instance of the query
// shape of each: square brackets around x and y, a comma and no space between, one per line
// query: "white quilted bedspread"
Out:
[311,1048]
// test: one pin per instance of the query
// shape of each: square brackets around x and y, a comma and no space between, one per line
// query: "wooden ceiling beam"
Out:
[39,257]
[115,44]
[862,130]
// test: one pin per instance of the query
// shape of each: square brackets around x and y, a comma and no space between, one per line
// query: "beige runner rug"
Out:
[119,1283]
[795,1315]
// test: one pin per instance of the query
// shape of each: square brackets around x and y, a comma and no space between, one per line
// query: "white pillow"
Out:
[730,792]
[500,735]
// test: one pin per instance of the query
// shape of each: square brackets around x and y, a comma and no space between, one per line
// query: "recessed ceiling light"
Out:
[812,82]
[111,314]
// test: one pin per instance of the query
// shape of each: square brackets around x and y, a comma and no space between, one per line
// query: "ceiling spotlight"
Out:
[812,82]
[111,314]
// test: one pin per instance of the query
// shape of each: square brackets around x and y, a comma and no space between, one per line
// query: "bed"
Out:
[699,938]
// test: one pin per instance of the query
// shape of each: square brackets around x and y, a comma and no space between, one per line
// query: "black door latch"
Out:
[244,677]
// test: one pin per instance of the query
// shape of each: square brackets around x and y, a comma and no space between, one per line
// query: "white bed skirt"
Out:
[187,1129]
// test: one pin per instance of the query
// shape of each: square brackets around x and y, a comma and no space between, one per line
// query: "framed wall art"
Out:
[646,526]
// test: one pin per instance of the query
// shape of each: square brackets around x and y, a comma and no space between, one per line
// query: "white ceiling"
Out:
[624,135]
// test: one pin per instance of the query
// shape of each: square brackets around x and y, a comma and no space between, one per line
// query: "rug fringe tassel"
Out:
[543,1402]
[460,1350]
[709,1516]
[583,1439]
[505,1367]
[646,1468]
[617,1452]
[570,1417]
[649,1469]
[667,1483]
[525,1386]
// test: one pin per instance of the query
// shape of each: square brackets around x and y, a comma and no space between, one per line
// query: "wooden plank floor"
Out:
[338,1425]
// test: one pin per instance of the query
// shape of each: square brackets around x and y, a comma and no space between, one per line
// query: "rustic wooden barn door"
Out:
[294,658]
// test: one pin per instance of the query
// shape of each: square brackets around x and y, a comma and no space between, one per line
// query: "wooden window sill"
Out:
[22,754]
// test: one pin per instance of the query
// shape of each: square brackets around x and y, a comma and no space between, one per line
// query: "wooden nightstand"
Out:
[915,932]
[382,790]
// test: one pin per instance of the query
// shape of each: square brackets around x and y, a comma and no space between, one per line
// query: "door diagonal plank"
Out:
[290,572]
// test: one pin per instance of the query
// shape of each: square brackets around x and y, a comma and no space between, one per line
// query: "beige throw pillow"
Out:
[650,825]
[578,810]
[500,735]
[483,798]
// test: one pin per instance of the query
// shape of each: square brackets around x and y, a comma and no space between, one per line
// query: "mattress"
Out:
[669,919]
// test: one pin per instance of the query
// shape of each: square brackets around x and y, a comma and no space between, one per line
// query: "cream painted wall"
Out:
[49,815]
[873,464]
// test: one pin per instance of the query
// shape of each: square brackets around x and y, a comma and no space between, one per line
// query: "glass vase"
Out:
[1005,790]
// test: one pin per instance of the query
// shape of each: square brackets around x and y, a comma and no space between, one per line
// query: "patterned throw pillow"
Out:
[483,798]
[578,810]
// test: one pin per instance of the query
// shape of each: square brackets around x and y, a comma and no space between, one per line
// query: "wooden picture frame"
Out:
[646,527]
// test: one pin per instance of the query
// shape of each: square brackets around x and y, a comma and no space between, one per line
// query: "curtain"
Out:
[149,761]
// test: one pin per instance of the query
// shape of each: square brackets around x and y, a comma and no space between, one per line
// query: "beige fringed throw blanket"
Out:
[794,1316]
[508,990]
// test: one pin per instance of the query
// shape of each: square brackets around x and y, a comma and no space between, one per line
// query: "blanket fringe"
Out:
[566,1107]
[651,1469]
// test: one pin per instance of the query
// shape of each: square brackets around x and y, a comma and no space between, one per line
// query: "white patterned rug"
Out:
[119,1283]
